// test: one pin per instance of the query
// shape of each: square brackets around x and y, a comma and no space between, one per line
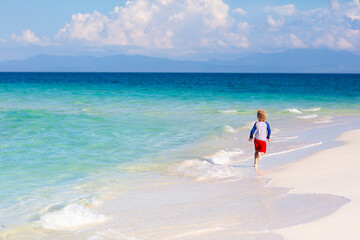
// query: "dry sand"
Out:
[334,171]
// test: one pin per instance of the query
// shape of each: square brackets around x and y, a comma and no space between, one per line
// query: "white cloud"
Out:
[280,41]
[85,26]
[334,4]
[344,44]
[280,13]
[292,41]
[334,27]
[239,11]
[159,24]
[338,29]
[243,27]
[352,10]
[200,27]
[29,37]
[275,23]
[338,38]
[327,40]
[284,10]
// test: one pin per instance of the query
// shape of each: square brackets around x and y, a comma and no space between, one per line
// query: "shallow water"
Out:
[78,138]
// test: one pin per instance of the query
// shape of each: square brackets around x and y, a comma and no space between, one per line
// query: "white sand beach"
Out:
[334,171]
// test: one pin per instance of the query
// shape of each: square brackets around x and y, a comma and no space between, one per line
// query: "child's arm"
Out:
[269,131]
[252,132]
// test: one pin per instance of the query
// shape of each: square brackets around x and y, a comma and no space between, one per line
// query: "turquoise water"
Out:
[63,130]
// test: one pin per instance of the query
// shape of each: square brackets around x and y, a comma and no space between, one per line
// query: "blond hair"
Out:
[261,115]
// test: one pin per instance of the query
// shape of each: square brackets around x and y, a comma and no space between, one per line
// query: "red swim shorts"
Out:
[260,146]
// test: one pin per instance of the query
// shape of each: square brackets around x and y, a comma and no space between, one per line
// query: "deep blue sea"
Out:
[66,137]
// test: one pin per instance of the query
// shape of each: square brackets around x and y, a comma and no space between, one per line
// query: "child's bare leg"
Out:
[259,155]
[256,155]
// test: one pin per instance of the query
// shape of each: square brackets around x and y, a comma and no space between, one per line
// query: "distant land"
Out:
[291,61]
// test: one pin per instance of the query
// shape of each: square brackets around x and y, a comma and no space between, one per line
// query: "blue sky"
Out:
[180,29]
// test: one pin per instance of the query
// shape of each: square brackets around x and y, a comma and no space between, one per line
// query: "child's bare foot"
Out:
[256,168]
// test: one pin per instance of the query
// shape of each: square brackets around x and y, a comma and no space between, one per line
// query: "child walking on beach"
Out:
[262,133]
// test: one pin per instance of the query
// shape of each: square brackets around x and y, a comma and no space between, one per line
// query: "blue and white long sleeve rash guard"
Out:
[261,130]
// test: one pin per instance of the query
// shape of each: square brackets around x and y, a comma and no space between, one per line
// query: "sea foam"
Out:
[293,110]
[315,109]
[324,120]
[70,217]
[310,116]
[205,170]
[223,157]
[229,129]
[228,111]
[211,167]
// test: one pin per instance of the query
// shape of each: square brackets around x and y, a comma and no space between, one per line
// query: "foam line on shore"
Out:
[294,149]
[286,151]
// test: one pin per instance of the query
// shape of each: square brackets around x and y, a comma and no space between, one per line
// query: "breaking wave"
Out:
[70,217]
